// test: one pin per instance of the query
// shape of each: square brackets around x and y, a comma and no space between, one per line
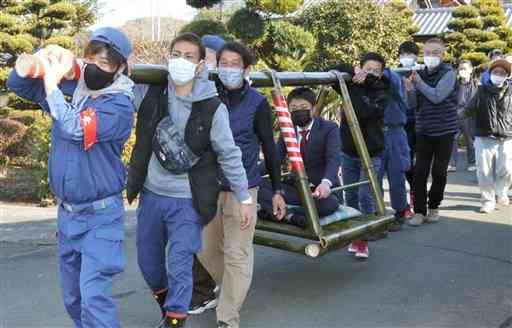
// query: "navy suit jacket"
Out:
[323,156]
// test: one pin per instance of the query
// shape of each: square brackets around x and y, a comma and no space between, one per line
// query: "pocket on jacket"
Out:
[107,249]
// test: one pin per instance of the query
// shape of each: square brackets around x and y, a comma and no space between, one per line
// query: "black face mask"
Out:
[95,78]
[301,117]
[371,79]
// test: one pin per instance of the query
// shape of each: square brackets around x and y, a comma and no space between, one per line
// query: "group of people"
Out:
[196,167]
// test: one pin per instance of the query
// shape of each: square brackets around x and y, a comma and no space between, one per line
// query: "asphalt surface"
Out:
[455,273]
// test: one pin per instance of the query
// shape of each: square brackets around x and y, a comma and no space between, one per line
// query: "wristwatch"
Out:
[248,201]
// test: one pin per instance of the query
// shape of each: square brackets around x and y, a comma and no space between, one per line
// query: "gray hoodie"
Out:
[162,182]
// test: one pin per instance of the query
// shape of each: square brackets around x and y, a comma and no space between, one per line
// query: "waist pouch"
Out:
[171,150]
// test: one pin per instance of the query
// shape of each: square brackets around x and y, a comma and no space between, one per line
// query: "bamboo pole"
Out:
[157,74]
[344,237]
[284,228]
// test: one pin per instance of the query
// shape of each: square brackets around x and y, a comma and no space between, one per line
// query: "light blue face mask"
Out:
[232,78]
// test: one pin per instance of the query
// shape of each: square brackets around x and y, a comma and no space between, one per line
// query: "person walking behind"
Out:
[436,125]
[408,52]
[466,90]
[491,109]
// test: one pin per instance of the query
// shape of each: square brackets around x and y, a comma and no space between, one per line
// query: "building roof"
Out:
[435,21]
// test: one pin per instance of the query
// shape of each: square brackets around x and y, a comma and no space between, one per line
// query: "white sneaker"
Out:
[417,220]
[432,216]
[472,168]
[352,248]
[504,201]
[451,168]
[487,208]
[206,305]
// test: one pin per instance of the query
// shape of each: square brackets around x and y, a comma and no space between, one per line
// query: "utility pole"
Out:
[152,20]
[159,20]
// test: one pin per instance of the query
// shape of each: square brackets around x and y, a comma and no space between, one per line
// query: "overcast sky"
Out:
[116,12]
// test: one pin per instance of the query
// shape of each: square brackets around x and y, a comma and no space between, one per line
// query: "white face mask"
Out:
[432,61]
[465,74]
[181,70]
[407,60]
[231,77]
[497,80]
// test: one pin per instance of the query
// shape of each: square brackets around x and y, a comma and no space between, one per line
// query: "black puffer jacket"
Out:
[491,108]
[369,101]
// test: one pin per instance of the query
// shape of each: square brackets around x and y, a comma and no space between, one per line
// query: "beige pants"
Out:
[228,255]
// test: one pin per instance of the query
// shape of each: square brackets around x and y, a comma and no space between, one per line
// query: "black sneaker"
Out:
[395,225]
[160,299]
[222,324]
[298,220]
[206,305]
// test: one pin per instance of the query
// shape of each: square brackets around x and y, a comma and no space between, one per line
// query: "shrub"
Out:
[474,23]
[11,133]
[246,25]
[279,7]
[476,58]
[202,27]
[491,21]
[465,12]
[202,3]
[128,148]
[38,136]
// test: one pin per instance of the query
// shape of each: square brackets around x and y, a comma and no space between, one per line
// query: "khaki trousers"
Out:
[228,255]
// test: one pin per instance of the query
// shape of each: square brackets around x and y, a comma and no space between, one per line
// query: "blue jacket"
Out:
[323,157]
[242,115]
[396,109]
[78,175]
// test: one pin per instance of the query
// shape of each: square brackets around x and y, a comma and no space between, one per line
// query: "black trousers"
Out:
[203,284]
[410,128]
[431,152]
[324,206]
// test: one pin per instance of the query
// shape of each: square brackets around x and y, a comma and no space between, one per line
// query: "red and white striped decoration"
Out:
[288,133]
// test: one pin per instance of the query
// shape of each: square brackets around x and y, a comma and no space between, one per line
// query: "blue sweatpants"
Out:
[90,254]
[352,170]
[396,161]
[163,221]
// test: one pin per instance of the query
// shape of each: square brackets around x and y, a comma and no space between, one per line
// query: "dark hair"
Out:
[95,47]
[495,52]
[435,41]
[409,47]
[302,93]
[240,49]
[190,38]
[375,57]
[465,61]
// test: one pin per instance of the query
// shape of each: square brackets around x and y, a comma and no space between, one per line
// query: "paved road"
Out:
[457,273]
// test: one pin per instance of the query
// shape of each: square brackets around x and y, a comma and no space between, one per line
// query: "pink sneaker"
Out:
[408,214]
[362,251]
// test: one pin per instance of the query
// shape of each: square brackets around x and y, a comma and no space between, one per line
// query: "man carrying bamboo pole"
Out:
[183,144]
[369,93]
[228,253]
